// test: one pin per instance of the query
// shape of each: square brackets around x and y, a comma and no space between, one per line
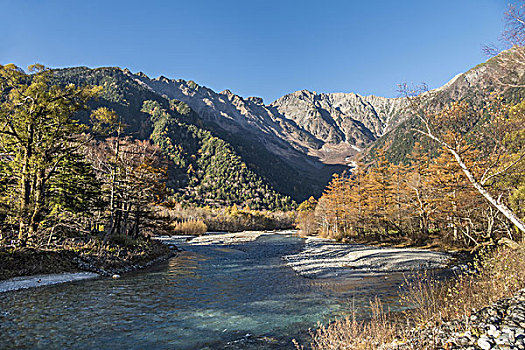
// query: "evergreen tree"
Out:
[40,140]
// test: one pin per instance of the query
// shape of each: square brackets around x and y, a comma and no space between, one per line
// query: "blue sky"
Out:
[258,48]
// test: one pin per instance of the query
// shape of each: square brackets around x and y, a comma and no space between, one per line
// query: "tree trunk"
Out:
[137,222]
[39,192]
[25,187]
[453,216]
[509,214]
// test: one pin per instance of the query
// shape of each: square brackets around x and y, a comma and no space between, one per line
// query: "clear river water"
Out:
[208,297]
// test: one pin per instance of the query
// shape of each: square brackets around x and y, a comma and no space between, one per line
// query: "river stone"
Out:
[463,341]
[484,342]
[503,339]
[493,331]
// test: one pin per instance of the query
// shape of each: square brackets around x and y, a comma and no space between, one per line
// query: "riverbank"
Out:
[220,238]
[26,282]
[482,308]
[32,267]
[500,325]
[325,258]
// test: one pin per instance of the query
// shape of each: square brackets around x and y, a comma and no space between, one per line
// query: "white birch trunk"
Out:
[509,214]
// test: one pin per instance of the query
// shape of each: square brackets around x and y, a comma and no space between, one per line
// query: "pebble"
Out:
[484,342]
[498,326]
[493,331]
[503,340]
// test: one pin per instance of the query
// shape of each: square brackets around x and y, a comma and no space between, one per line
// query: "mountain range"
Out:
[291,146]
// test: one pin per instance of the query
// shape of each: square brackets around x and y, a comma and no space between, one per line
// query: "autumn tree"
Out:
[306,220]
[493,127]
[38,137]
[379,188]
[333,206]
[133,178]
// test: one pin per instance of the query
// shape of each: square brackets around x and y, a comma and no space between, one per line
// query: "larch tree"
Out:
[333,205]
[419,191]
[494,128]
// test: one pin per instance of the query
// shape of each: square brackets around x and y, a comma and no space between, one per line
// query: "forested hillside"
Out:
[289,148]
[203,169]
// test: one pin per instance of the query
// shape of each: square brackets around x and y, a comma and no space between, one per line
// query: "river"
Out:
[208,297]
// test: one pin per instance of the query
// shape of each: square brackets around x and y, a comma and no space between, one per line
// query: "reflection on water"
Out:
[212,297]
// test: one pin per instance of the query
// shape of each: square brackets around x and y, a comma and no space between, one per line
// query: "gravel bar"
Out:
[25,282]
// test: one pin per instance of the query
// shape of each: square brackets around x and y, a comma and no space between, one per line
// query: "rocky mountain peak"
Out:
[163,78]
[226,92]
[256,100]
[313,134]
[326,127]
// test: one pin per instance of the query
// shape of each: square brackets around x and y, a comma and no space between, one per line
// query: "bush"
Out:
[349,333]
[230,219]
[190,227]
[124,241]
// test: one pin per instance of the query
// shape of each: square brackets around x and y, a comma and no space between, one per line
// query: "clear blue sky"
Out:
[258,48]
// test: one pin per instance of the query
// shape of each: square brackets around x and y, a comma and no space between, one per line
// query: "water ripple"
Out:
[235,297]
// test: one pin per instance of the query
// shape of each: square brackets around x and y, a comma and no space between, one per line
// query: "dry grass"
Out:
[498,274]
[189,227]
[230,219]
[495,275]
[349,333]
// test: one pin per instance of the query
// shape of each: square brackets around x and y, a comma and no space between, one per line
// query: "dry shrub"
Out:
[349,333]
[230,219]
[498,274]
[423,296]
[189,227]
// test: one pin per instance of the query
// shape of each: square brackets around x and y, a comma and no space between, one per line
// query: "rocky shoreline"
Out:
[90,268]
[219,238]
[325,258]
[497,326]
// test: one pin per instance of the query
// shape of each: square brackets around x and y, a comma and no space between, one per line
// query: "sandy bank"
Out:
[219,238]
[43,280]
[323,258]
